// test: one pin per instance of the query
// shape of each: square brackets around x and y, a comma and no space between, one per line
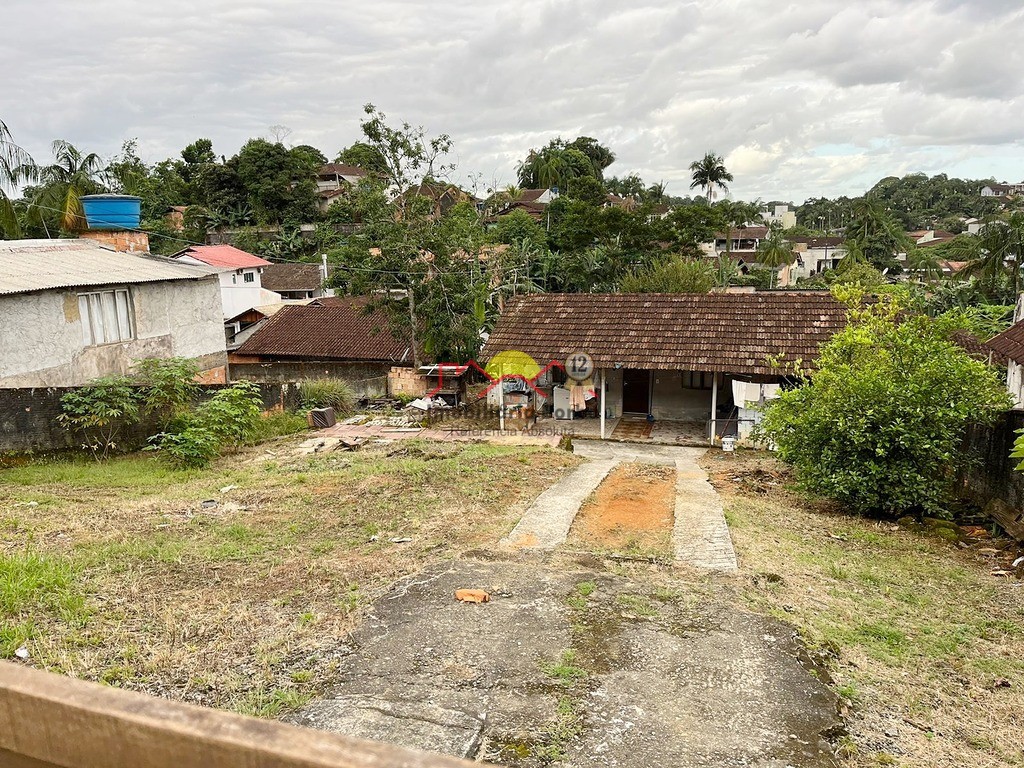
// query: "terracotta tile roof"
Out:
[744,233]
[530,195]
[1010,343]
[977,348]
[222,256]
[291,277]
[732,333]
[328,329]
[818,242]
[341,169]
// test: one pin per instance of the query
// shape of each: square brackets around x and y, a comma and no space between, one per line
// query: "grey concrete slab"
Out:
[700,534]
[682,682]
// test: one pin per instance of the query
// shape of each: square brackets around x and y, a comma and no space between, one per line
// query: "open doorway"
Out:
[636,391]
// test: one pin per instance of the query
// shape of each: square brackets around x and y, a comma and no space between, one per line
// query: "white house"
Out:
[780,214]
[1010,344]
[335,180]
[74,311]
[240,275]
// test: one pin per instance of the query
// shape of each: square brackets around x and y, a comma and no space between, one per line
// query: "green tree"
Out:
[364,156]
[675,275]
[12,158]
[708,174]
[279,185]
[875,233]
[879,425]
[775,252]
[62,183]
[995,252]
[517,227]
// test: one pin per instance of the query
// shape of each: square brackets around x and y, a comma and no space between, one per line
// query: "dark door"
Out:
[636,391]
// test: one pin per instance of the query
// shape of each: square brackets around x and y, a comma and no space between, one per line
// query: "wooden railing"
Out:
[49,721]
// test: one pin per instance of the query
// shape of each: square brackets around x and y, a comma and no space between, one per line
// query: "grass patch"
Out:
[124,573]
[564,671]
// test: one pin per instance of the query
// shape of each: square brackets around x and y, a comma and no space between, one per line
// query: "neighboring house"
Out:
[1010,344]
[739,239]
[780,214]
[239,272]
[336,180]
[239,328]
[1002,190]
[330,337]
[443,197]
[816,254]
[674,356]
[928,237]
[742,244]
[533,201]
[294,281]
[74,311]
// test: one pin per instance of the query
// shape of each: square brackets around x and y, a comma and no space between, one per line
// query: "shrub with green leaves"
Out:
[194,446]
[233,413]
[100,411]
[879,425]
[327,393]
[169,384]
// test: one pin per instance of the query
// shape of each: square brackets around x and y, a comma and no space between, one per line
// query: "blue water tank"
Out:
[112,211]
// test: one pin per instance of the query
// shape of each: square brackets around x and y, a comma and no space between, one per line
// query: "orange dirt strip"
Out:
[631,512]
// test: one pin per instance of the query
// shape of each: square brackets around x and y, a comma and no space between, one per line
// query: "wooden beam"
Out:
[49,721]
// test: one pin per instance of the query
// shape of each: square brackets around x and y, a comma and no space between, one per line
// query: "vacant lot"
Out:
[236,586]
[923,641]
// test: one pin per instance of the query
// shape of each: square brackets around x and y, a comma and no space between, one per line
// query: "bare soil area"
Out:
[631,512]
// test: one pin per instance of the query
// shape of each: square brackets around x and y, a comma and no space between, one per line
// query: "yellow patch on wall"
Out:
[71,313]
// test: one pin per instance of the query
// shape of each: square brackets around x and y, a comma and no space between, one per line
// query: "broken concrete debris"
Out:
[472,596]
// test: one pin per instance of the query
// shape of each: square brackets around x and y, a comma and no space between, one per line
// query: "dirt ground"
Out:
[631,512]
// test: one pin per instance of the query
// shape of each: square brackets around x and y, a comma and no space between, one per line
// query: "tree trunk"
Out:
[412,329]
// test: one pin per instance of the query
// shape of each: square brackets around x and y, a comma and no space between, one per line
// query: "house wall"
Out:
[989,472]
[1015,384]
[670,401]
[41,342]
[366,379]
[613,394]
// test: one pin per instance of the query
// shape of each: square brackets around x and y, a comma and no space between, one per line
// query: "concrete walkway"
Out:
[546,523]
[700,535]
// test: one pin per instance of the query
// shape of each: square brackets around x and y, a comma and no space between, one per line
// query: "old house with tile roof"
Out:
[675,357]
[335,337]
[294,281]
[1010,346]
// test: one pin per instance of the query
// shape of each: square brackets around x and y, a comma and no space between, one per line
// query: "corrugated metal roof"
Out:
[40,265]
[757,333]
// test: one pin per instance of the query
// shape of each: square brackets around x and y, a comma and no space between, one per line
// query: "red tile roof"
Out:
[731,333]
[744,233]
[1010,343]
[976,348]
[225,256]
[328,329]
[530,195]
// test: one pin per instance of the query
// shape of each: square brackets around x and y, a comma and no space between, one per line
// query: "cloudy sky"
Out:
[817,97]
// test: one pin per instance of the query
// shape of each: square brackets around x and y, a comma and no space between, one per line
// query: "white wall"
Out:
[670,401]
[41,341]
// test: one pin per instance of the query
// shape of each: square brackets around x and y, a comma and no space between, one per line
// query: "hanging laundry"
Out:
[577,398]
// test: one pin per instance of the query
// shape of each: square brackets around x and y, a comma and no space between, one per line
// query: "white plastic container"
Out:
[729,444]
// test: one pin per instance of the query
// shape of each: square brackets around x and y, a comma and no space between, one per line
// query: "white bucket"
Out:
[728,443]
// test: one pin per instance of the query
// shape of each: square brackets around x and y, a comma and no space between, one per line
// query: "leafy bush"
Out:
[328,393]
[100,411]
[677,275]
[880,424]
[194,446]
[279,424]
[169,384]
[233,414]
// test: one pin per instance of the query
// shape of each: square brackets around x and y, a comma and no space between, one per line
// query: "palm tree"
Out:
[656,192]
[998,248]
[775,252]
[12,157]
[708,173]
[63,183]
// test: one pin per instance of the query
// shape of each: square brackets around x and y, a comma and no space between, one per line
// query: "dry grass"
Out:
[117,572]
[922,640]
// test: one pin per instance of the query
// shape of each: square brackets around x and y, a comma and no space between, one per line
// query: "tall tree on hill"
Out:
[62,183]
[876,233]
[12,157]
[364,156]
[710,173]
[996,252]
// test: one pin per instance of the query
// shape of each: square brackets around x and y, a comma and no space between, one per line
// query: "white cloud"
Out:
[775,87]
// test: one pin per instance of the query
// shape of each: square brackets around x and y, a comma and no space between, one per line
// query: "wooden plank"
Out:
[49,721]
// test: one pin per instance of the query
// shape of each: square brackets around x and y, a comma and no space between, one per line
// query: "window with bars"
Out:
[248,277]
[106,317]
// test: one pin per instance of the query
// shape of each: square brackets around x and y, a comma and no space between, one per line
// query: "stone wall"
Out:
[366,379]
[993,474]
[28,418]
